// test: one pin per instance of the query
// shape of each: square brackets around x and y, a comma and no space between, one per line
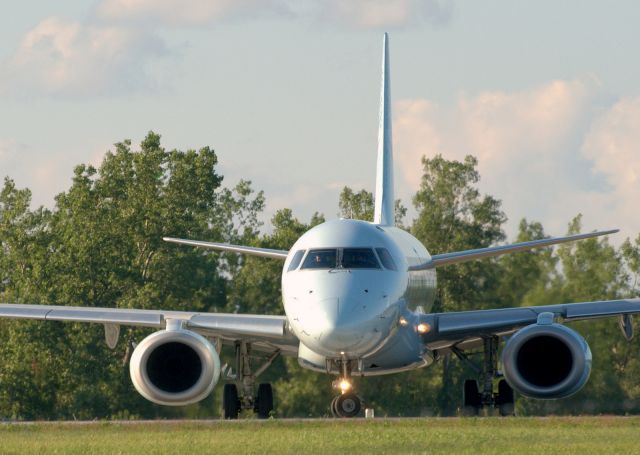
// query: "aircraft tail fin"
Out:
[384,197]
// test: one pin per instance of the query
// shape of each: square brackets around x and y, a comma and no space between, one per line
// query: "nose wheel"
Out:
[346,405]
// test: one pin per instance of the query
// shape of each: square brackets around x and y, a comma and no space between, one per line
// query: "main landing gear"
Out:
[347,404]
[474,399]
[239,395]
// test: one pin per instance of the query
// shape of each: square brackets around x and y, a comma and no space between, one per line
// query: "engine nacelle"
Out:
[174,367]
[546,361]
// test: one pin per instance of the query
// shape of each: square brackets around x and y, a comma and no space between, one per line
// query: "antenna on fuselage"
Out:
[385,201]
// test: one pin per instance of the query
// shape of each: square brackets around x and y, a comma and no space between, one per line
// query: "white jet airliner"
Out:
[357,297]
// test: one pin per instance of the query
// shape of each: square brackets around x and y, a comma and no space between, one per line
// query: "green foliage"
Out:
[357,206]
[454,216]
[525,272]
[360,206]
[102,245]
[590,270]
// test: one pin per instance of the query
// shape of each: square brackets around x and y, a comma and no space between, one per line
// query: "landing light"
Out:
[423,328]
[345,385]
[403,322]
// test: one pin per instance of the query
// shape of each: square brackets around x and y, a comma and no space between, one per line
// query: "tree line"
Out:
[101,245]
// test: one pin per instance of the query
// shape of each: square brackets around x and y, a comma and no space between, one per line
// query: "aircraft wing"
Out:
[266,331]
[465,329]
[439,260]
[264,252]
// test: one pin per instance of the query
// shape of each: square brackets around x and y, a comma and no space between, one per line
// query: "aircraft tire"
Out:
[264,401]
[334,411]
[505,401]
[230,402]
[348,405]
[471,398]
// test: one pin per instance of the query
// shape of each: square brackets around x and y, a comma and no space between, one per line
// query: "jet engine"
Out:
[547,361]
[174,367]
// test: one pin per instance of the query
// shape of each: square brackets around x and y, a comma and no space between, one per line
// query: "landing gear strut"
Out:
[239,395]
[474,399]
[347,404]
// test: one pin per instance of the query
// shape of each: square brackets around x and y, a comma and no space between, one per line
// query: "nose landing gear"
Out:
[347,404]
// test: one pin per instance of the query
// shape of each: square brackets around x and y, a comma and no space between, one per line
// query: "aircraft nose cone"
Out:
[320,316]
[332,326]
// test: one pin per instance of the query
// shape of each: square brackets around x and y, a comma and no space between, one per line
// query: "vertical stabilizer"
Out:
[384,209]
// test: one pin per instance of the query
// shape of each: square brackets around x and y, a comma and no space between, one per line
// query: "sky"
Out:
[545,94]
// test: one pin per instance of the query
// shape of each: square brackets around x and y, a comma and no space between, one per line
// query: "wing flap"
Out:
[439,260]
[475,322]
[601,309]
[269,326]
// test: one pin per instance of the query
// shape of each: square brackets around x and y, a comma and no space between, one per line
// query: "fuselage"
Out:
[348,294]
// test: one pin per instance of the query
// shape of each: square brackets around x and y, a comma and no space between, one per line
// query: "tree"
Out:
[527,271]
[588,270]
[103,247]
[25,389]
[360,206]
[454,216]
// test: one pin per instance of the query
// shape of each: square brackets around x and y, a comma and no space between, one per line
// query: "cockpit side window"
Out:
[386,259]
[321,259]
[359,258]
[295,262]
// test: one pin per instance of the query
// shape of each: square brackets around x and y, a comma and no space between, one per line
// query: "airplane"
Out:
[357,298]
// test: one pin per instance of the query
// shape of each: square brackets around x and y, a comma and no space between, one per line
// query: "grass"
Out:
[554,435]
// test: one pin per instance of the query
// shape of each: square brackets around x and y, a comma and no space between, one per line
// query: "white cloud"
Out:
[548,153]
[177,13]
[65,58]
[612,145]
[388,13]
[351,13]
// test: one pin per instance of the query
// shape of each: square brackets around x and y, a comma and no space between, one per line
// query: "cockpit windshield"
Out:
[321,259]
[359,258]
[295,261]
[347,258]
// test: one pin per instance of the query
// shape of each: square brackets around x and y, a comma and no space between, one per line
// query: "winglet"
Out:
[384,205]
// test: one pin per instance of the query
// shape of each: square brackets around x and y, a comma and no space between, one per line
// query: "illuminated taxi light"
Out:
[345,385]
[423,327]
[403,322]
